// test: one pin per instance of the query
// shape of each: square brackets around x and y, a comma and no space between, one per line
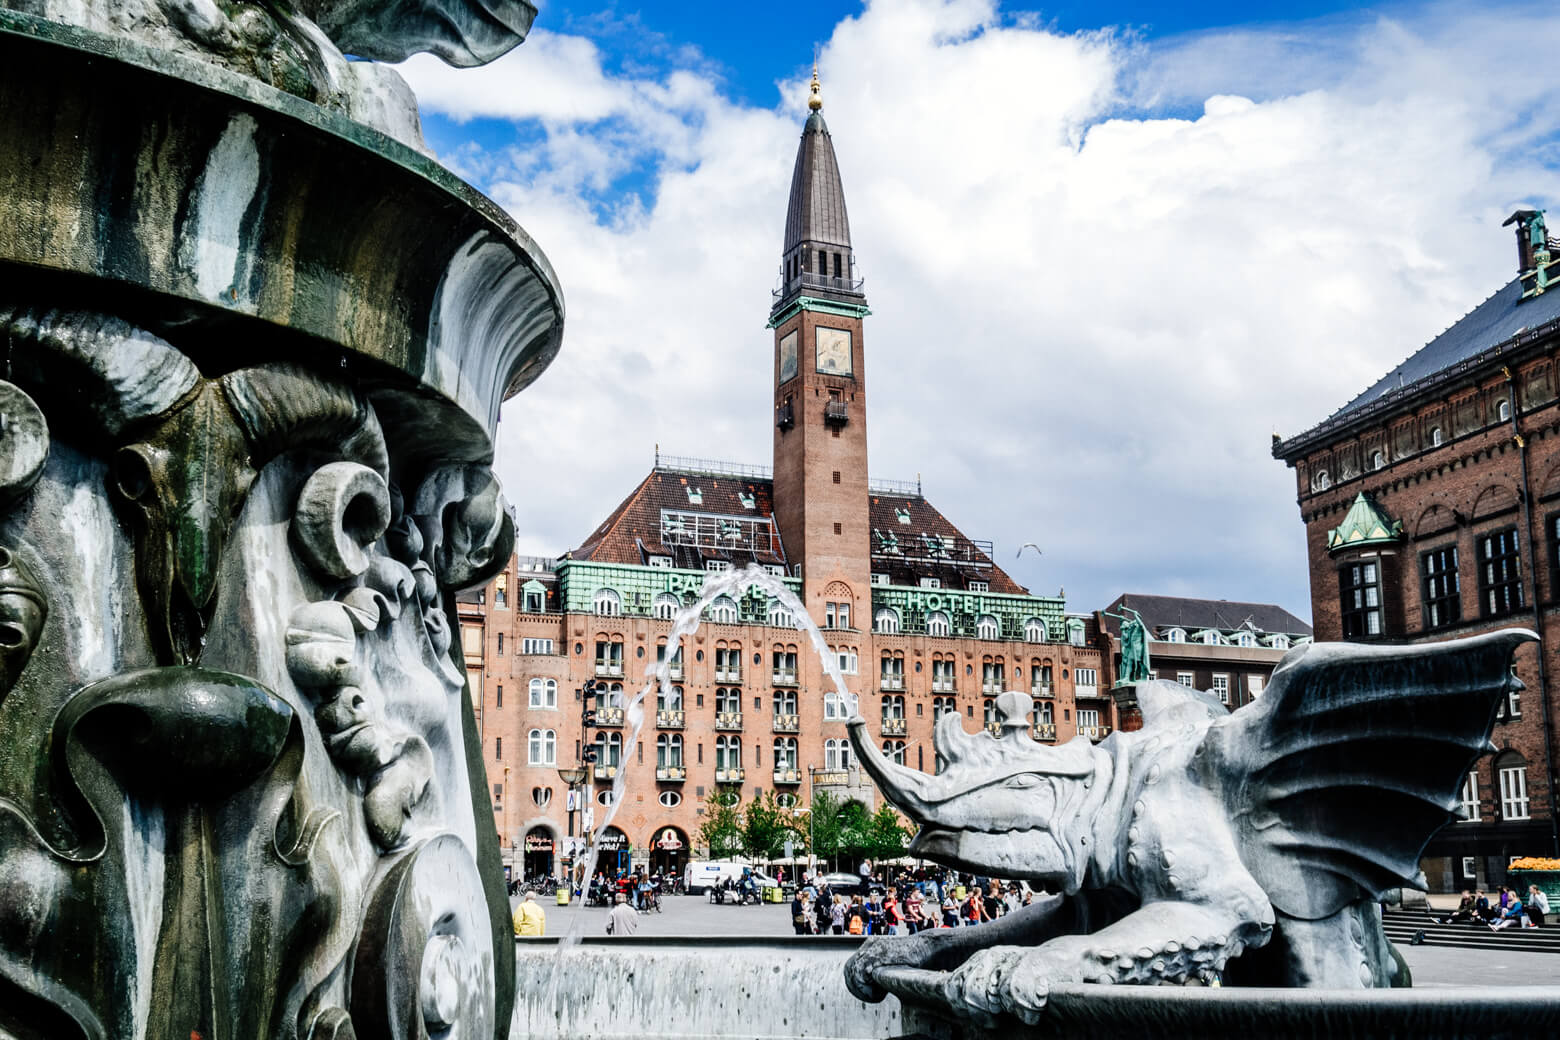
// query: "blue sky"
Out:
[1110,248]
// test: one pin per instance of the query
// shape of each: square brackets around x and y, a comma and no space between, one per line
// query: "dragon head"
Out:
[1005,804]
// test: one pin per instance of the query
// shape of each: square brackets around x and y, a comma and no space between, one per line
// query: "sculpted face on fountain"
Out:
[1012,806]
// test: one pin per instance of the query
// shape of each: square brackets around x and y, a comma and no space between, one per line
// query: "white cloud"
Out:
[1088,320]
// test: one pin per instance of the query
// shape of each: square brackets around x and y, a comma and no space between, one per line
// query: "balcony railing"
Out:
[674,672]
[732,675]
[728,720]
[729,776]
[1043,731]
[609,716]
[994,728]
[1087,691]
[836,413]
[668,719]
[813,280]
[1094,732]
[892,682]
[787,723]
[671,774]
[893,727]
[942,686]
[1040,689]
[990,686]
[784,677]
[787,776]
[609,668]
[601,772]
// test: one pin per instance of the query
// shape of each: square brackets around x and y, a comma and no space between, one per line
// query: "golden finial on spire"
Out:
[815,99]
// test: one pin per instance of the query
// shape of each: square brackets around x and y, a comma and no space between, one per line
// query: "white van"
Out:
[699,878]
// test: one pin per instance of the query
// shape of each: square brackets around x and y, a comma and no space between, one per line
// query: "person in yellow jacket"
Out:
[529,917]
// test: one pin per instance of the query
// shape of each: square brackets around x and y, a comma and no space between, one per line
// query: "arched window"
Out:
[1322,481]
[544,693]
[1503,411]
[544,747]
[1245,639]
[894,706]
[833,705]
[669,751]
[836,753]
[943,705]
[608,603]
[937,624]
[1034,630]
[785,702]
[728,752]
[986,627]
[1075,632]
[669,698]
[1176,635]
[895,749]
[724,611]
[779,616]
[1435,436]
[785,753]
[728,699]
[609,749]
[1377,460]
[886,621]
[1280,642]
[665,606]
[1210,637]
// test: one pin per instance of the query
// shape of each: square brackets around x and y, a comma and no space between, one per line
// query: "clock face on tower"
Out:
[833,351]
[788,355]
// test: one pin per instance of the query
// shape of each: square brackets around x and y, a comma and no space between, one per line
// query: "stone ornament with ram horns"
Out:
[1251,846]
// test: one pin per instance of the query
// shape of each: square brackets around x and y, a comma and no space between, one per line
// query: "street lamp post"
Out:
[573,777]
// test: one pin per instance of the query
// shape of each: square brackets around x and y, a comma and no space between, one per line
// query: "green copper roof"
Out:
[1366,524]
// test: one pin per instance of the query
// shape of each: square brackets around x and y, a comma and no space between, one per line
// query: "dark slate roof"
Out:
[909,566]
[1489,324]
[632,533]
[1161,612]
[816,212]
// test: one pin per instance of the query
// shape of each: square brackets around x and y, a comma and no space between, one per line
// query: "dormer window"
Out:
[661,561]
[902,513]
[1210,638]
[931,583]
[747,499]
[717,566]
[695,496]
[879,578]
[1245,639]
[1175,635]
[980,586]
[1280,642]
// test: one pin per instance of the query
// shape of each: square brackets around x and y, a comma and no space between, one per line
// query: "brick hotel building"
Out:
[919,617]
[1431,505]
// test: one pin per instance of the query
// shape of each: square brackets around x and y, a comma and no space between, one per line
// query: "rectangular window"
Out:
[836,476]
[1221,688]
[717,566]
[879,579]
[498,747]
[501,644]
[828,615]
[1255,684]
[1500,573]
[1513,793]
[931,583]
[1085,681]
[664,562]
[1359,588]
[839,528]
[980,586]
[1468,800]
[499,697]
[1088,718]
[1442,590]
[1185,679]
[942,675]
[536,646]
[535,602]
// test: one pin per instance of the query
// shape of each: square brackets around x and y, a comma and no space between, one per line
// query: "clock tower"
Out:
[820,454]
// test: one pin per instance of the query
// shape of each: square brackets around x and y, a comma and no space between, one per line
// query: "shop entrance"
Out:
[669,852]
[612,852]
[538,860]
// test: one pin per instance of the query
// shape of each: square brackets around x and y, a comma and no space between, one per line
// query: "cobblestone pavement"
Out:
[1433,966]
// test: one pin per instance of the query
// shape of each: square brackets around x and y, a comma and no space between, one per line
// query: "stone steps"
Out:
[1401,925]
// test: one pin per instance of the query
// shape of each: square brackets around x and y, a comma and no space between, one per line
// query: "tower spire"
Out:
[815,98]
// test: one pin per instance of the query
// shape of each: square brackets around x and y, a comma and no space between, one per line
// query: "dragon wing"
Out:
[1353,758]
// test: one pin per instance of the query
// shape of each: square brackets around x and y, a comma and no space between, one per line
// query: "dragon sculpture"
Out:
[1250,847]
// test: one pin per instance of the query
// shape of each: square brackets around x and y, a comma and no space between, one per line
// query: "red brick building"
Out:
[919,617]
[1432,509]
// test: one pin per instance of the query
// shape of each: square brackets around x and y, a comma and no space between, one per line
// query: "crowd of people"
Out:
[903,904]
[1507,910]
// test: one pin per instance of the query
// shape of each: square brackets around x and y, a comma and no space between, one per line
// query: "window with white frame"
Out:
[1503,411]
[544,693]
[1075,632]
[1280,642]
[1468,798]
[833,705]
[1221,687]
[986,627]
[891,672]
[531,645]
[938,624]
[1436,436]
[836,753]
[931,583]
[1513,787]
[665,606]
[1175,635]
[785,702]
[1255,685]
[695,496]
[942,705]
[1034,630]
[609,749]
[895,749]
[669,698]
[1045,714]
[779,616]
[728,752]
[669,751]
[543,747]
[942,674]
[723,611]
[848,661]
[785,750]
[664,562]
[1245,638]
[670,799]
[980,586]
[728,699]
[1186,679]
[1210,637]
[879,578]
[608,603]
[1086,681]
[784,666]
[717,566]
[1088,718]
[894,706]
[886,621]
[533,601]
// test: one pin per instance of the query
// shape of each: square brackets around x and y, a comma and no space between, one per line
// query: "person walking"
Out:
[856,916]
[912,915]
[837,916]
[530,918]
[1537,906]
[622,920]
[801,913]
[892,917]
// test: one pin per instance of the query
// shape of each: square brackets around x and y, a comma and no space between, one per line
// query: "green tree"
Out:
[855,831]
[886,834]
[766,825]
[721,831]
[824,827]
